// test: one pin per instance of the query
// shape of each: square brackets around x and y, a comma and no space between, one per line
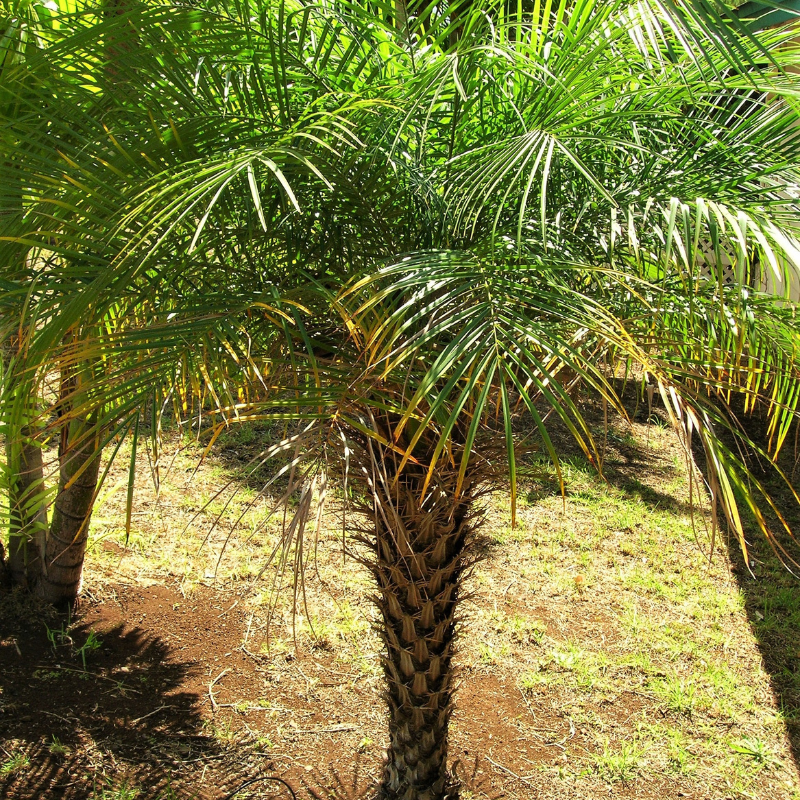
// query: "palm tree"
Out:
[399,229]
[46,558]
[26,26]
[46,551]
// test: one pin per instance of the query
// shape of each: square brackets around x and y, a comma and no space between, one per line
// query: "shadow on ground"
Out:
[772,600]
[771,593]
[110,721]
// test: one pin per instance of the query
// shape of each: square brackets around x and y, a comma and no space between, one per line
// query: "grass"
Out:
[120,791]
[680,758]
[16,762]
[677,694]
[650,626]
[61,639]
[599,614]
[56,747]
[615,765]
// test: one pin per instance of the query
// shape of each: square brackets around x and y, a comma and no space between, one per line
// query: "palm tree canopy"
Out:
[334,214]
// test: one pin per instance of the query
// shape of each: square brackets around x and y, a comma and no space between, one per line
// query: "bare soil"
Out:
[564,646]
[170,696]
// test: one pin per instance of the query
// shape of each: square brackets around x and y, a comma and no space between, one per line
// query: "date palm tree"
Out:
[25,27]
[400,228]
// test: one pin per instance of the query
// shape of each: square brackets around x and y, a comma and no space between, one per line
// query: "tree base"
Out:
[5,578]
[451,791]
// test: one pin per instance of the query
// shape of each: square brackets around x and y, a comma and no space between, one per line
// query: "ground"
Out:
[601,655]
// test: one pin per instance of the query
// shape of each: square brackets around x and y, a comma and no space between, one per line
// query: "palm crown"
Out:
[400,228]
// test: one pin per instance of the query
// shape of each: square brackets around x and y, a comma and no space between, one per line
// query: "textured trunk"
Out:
[27,521]
[28,517]
[421,546]
[46,561]
[66,541]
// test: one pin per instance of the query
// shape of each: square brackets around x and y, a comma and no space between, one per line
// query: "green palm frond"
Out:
[445,220]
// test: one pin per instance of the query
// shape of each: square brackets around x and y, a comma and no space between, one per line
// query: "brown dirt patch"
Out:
[562,679]
[168,701]
[140,712]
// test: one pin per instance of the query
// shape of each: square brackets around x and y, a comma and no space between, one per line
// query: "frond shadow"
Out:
[771,597]
[332,785]
[115,718]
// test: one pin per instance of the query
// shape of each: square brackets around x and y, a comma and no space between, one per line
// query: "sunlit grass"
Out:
[600,606]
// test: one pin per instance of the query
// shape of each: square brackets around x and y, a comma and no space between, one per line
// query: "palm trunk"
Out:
[421,547]
[27,522]
[28,512]
[65,546]
[46,561]
[401,17]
